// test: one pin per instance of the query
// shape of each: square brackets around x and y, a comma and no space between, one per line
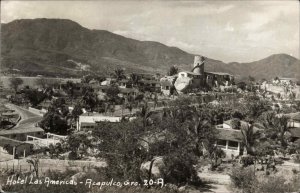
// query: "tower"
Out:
[198,67]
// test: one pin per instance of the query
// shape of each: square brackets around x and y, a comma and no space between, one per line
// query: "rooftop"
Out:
[220,73]
[295,132]
[230,134]
[96,117]
[286,78]
[23,130]
[257,126]
[166,83]
[294,116]
[7,141]
[192,73]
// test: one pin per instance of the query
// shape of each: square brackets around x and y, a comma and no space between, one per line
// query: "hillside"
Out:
[59,47]
[281,65]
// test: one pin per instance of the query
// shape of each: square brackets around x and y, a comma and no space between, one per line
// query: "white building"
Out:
[88,121]
[230,140]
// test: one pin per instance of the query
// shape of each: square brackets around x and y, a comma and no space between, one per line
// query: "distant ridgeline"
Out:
[63,48]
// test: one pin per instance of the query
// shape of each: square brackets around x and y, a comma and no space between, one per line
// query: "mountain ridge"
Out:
[46,46]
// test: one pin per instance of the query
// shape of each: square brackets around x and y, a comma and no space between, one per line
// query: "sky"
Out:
[231,31]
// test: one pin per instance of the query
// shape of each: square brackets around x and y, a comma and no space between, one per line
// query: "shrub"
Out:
[294,171]
[73,155]
[274,185]
[243,178]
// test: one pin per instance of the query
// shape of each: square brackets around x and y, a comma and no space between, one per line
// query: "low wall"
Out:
[37,111]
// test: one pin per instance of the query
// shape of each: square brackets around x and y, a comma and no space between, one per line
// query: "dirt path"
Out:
[219,182]
[28,118]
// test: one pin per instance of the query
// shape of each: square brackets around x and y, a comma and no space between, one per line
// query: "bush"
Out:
[243,178]
[73,155]
[274,185]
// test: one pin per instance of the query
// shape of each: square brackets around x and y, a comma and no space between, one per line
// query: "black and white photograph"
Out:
[150,96]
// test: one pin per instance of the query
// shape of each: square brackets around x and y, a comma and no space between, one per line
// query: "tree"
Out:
[173,71]
[35,163]
[90,99]
[86,79]
[112,93]
[35,97]
[119,74]
[77,111]
[129,106]
[145,113]
[69,88]
[15,82]
[120,147]
[55,150]
[78,144]
[281,125]
[241,85]
[135,78]
[55,123]
[249,137]
[235,123]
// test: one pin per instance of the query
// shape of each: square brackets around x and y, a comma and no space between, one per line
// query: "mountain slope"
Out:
[63,47]
[42,42]
[281,65]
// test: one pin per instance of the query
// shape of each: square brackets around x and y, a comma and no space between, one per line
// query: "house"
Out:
[21,133]
[165,87]
[125,92]
[189,74]
[294,125]
[286,81]
[150,85]
[199,79]
[294,120]
[88,121]
[295,134]
[125,83]
[217,78]
[14,147]
[230,139]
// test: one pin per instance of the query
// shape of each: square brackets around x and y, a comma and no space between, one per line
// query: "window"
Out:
[233,145]
[221,143]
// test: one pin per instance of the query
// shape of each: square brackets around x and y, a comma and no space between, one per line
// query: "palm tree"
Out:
[35,163]
[145,114]
[173,70]
[249,137]
[129,106]
[251,80]
[155,100]
[281,125]
[268,118]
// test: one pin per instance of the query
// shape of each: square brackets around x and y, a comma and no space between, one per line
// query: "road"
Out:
[28,119]
[219,183]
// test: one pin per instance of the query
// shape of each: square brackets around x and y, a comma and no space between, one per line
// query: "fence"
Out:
[4,156]
[50,164]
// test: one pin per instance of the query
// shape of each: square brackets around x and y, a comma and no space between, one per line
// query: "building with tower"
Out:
[198,79]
